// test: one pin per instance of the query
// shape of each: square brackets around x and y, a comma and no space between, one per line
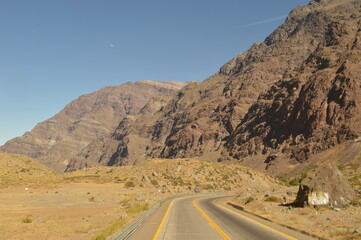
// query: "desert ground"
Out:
[95,203]
[68,210]
[320,222]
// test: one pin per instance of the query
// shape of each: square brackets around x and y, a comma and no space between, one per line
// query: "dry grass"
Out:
[271,199]
[111,229]
[67,211]
[16,169]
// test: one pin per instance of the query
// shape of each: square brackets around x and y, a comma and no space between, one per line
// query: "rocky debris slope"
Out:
[91,116]
[182,175]
[291,96]
[326,187]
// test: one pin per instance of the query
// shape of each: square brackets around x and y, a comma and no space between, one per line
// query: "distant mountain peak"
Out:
[91,116]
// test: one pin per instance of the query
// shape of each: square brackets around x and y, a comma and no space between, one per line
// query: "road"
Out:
[206,218]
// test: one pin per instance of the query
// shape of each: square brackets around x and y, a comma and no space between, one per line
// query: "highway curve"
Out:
[206,218]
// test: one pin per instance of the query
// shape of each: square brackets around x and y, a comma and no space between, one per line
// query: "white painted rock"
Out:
[318,198]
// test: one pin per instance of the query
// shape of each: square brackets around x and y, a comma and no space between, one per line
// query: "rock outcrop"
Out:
[92,116]
[326,187]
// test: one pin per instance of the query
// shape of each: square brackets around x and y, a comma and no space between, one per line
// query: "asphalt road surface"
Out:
[207,218]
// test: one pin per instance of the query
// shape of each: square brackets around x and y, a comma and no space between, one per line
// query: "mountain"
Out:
[315,108]
[104,151]
[273,107]
[292,96]
[91,116]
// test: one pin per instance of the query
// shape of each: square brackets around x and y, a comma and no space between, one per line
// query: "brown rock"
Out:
[145,179]
[197,189]
[326,187]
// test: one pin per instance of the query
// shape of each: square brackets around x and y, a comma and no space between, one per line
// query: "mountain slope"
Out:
[315,108]
[105,151]
[91,116]
[19,169]
[228,116]
[184,175]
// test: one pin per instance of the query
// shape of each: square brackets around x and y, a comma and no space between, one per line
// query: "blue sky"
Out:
[52,51]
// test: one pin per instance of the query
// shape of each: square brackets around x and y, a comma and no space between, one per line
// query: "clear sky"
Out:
[52,51]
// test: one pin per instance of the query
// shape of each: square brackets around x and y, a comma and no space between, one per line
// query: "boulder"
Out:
[146,179]
[326,187]
[197,189]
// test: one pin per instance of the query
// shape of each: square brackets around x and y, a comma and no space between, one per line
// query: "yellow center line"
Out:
[213,224]
[163,220]
[165,217]
[254,221]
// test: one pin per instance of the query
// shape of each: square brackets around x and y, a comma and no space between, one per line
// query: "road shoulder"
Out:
[263,221]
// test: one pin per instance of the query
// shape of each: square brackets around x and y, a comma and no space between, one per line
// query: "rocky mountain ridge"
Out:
[315,108]
[91,116]
[272,107]
[289,97]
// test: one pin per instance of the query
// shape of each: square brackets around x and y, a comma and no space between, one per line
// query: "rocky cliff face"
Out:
[316,107]
[295,94]
[91,116]
[127,144]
